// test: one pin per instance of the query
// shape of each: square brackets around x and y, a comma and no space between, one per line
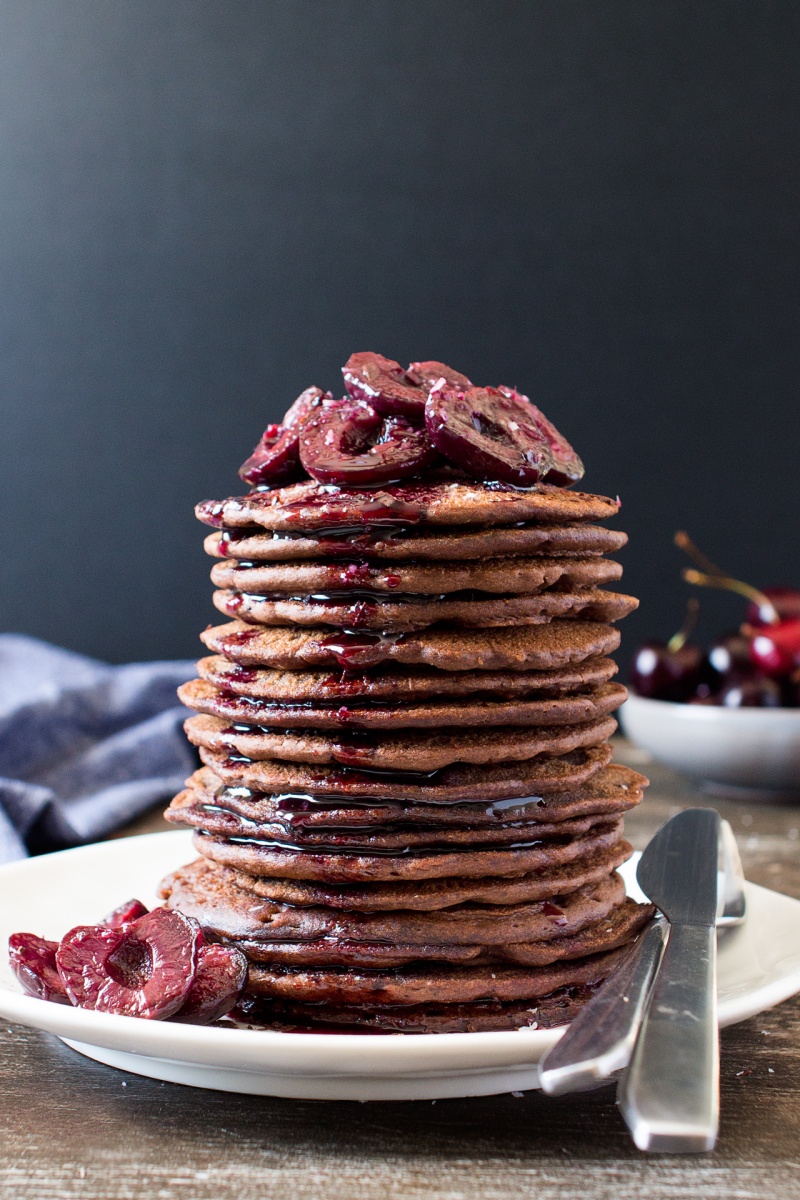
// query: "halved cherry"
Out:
[567,467]
[144,969]
[426,374]
[347,442]
[218,983]
[382,383]
[304,406]
[275,459]
[489,433]
[33,961]
[123,914]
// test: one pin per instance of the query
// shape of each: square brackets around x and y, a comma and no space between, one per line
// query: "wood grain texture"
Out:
[73,1128]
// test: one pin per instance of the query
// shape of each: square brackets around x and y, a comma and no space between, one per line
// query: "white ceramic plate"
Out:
[759,965]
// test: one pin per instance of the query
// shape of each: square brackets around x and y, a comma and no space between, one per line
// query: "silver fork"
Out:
[599,1042]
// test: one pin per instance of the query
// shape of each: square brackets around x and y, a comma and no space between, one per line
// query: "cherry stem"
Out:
[679,639]
[767,609]
[685,543]
[710,575]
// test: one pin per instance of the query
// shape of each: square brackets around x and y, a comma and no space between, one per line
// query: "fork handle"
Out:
[599,1041]
[669,1096]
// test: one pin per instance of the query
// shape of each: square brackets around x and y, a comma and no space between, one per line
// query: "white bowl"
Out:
[744,751]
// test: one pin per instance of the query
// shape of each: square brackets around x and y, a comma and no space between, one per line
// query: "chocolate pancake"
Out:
[395,544]
[494,575]
[376,956]
[429,895]
[461,783]
[224,910]
[254,857]
[530,648]
[309,505]
[571,709]
[424,984]
[396,683]
[611,791]
[414,750]
[545,1012]
[596,937]
[403,838]
[369,610]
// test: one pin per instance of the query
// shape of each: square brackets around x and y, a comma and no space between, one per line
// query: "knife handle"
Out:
[669,1095]
[600,1039]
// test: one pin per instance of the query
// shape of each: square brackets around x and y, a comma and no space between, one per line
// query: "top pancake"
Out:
[403,545]
[312,505]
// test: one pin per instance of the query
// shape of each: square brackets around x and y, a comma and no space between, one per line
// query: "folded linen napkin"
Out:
[84,746]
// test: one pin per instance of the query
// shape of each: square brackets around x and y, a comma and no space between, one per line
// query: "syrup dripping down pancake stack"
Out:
[407,817]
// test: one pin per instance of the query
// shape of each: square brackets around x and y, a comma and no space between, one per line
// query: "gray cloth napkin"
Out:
[84,747]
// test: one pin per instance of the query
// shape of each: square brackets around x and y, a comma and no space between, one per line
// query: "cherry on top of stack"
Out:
[407,814]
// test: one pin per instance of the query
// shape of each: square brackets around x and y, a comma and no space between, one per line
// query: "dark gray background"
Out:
[206,206]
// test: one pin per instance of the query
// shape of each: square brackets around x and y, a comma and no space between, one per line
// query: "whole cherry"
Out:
[757,691]
[729,655]
[775,645]
[783,600]
[775,649]
[672,670]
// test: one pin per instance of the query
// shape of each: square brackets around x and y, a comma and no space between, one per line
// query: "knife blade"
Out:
[669,1095]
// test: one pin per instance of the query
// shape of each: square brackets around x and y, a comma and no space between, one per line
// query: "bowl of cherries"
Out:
[727,715]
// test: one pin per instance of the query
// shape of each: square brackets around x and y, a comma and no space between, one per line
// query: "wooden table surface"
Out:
[71,1127]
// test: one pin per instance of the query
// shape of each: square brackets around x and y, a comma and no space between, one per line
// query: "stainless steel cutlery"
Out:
[658,1011]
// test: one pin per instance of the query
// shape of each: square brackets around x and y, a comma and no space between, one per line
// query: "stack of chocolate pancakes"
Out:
[407,816]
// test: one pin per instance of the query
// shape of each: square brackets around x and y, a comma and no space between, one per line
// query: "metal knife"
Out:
[599,1041]
[669,1095]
